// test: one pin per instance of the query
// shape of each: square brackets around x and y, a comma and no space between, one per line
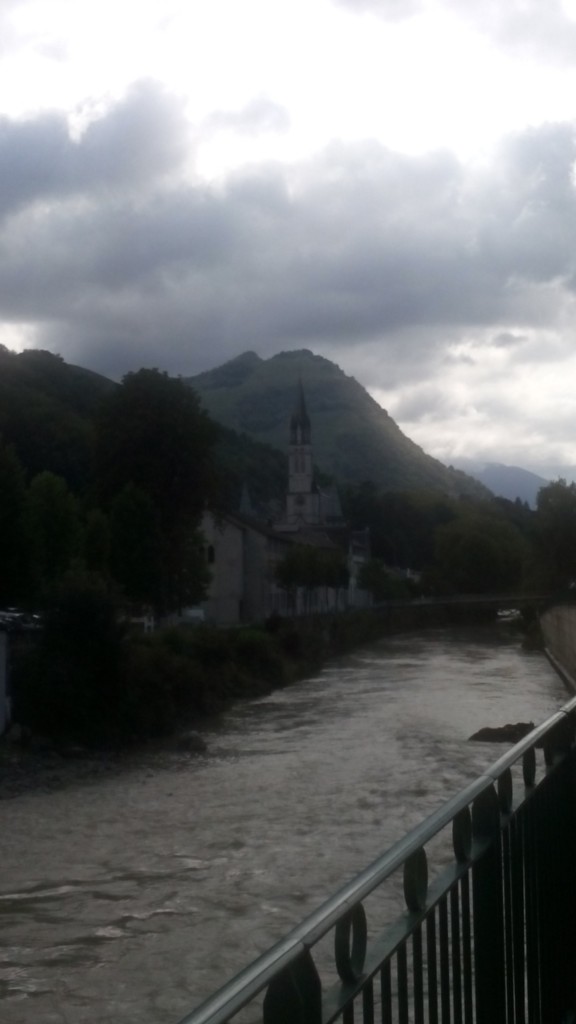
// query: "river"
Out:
[128,898]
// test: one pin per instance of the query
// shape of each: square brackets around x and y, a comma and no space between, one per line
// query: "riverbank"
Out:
[176,681]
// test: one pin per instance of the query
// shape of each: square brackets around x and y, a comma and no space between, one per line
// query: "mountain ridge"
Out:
[354,439]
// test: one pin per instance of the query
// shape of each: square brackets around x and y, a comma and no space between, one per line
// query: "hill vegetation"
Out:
[354,438]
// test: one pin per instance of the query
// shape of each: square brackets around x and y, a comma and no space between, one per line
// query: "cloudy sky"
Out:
[390,183]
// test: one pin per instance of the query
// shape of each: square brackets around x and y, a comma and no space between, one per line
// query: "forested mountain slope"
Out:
[354,439]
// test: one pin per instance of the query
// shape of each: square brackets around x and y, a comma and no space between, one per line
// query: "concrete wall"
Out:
[558,626]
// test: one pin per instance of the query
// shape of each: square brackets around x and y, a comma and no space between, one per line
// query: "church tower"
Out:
[302,500]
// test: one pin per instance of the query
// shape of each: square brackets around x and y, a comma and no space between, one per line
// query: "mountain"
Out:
[510,482]
[46,412]
[354,439]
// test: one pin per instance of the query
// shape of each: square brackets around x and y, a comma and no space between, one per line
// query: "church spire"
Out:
[300,421]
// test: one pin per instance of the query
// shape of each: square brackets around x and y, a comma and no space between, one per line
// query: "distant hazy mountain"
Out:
[505,481]
[354,439]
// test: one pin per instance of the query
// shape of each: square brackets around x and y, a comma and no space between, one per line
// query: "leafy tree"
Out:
[555,531]
[478,554]
[70,683]
[53,529]
[135,545]
[97,543]
[14,550]
[402,524]
[380,583]
[153,435]
[308,567]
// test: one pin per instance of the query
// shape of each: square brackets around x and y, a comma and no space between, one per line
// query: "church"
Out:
[243,552]
[307,506]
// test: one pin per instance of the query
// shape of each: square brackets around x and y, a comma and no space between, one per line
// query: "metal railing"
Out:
[492,939]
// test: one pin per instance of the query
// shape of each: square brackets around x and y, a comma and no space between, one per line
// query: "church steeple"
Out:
[300,421]
[302,502]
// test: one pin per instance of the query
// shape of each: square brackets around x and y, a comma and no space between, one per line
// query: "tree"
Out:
[479,554]
[14,550]
[380,583]
[53,529]
[135,545]
[555,528]
[70,683]
[153,433]
[153,437]
[309,568]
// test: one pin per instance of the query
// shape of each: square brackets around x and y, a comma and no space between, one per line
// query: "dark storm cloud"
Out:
[359,245]
[138,140]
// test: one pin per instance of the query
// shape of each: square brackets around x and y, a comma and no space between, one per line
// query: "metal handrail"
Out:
[245,986]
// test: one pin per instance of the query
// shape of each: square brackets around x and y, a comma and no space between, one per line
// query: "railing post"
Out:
[556,871]
[488,913]
[294,996]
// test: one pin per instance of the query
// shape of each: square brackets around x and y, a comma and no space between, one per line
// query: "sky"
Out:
[389,183]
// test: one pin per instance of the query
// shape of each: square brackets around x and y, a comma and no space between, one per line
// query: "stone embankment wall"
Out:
[558,625]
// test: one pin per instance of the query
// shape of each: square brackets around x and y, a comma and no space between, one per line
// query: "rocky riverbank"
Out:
[32,766]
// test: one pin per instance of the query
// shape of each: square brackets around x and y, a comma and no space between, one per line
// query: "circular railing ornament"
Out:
[416,880]
[462,835]
[350,955]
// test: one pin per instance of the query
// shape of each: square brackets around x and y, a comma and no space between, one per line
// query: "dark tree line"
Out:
[135,523]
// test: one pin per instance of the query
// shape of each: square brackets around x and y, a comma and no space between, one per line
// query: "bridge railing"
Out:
[491,939]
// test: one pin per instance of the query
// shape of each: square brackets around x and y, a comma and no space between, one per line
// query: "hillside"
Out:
[46,412]
[48,409]
[354,439]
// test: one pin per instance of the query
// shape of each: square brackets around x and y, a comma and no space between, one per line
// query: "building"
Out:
[243,552]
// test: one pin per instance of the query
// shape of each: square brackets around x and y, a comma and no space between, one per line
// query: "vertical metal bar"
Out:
[368,1002]
[432,967]
[402,975]
[547,866]
[444,960]
[418,971]
[555,806]
[467,961]
[531,915]
[518,854]
[489,936]
[348,1014]
[456,955]
[386,992]
[507,869]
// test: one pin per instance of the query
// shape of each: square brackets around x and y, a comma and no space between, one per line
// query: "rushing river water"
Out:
[130,898]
